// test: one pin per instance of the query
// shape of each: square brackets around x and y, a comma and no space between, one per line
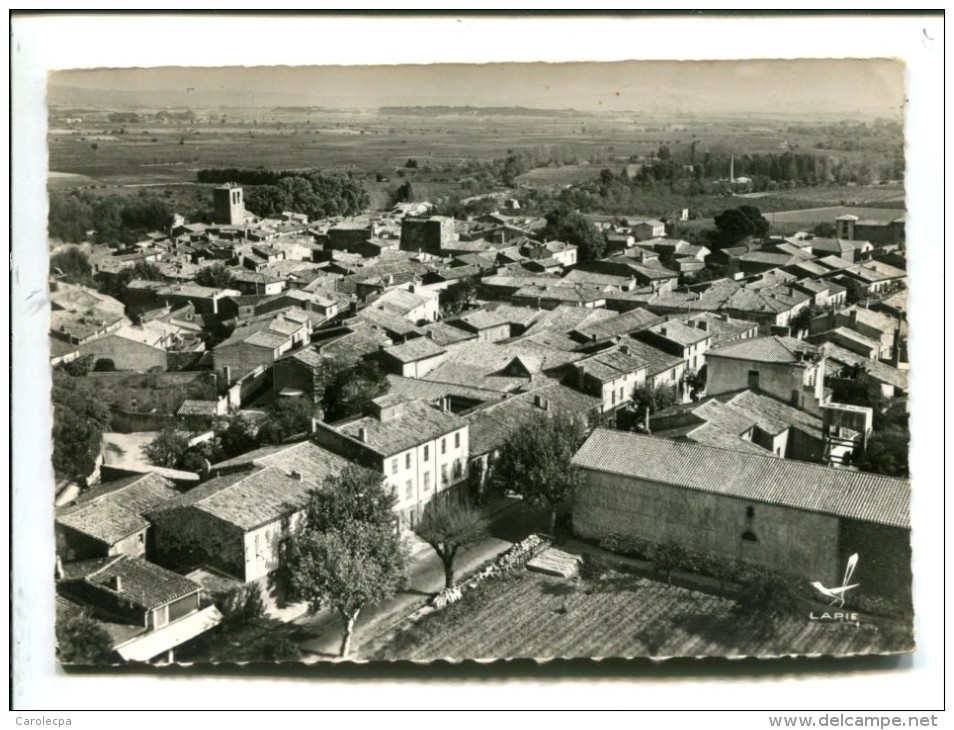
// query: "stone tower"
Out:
[229,205]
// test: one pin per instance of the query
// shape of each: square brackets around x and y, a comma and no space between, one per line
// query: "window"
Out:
[394,466]
[750,537]
[621,394]
[673,374]
[142,538]
[407,460]
[443,446]
[427,481]
[457,440]
[458,468]
[409,489]
[750,512]
[754,379]
[614,397]
[444,480]
[427,450]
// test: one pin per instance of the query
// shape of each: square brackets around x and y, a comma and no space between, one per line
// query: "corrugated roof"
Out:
[796,484]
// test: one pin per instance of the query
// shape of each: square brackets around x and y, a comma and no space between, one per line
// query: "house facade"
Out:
[421,450]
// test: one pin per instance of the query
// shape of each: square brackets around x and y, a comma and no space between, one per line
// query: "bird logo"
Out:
[837,595]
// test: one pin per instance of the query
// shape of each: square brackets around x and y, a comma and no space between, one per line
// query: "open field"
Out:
[618,615]
[144,148]
[560,176]
[816,215]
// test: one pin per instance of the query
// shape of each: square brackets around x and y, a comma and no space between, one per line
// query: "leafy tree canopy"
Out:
[565,224]
[449,526]
[216,275]
[81,640]
[535,461]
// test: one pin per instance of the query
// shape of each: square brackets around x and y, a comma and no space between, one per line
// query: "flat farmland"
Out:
[828,214]
[618,615]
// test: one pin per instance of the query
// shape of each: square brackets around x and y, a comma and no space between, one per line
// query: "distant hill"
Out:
[475,111]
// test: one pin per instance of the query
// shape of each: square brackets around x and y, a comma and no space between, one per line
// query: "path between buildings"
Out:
[320,635]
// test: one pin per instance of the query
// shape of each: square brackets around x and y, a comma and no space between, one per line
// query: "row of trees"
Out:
[316,194]
[112,218]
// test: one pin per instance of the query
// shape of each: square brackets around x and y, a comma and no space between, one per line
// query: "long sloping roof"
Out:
[796,484]
[765,349]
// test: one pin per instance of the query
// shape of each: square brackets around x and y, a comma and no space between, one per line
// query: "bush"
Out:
[80,366]
[593,567]
[282,649]
[105,365]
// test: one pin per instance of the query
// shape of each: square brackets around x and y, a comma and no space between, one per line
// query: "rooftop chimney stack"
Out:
[363,435]
[116,583]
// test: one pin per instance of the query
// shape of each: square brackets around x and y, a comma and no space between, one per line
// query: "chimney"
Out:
[446,404]
[703,325]
[116,583]
[581,378]
[363,435]
[538,401]
[228,374]
[296,475]
[662,331]
[624,349]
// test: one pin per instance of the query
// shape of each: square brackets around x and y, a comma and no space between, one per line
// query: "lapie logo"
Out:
[837,595]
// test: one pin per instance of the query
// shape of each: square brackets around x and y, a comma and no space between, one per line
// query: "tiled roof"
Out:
[657,360]
[314,463]
[482,319]
[446,334]
[112,511]
[722,328]
[796,484]
[388,321]
[622,324]
[361,341]
[104,520]
[565,319]
[854,336]
[611,364]
[420,348]
[250,499]
[711,434]
[143,583]
[774,416]
[491,425]
[839,357]
[426,390]
[764,349]
[420,422]
[681,334]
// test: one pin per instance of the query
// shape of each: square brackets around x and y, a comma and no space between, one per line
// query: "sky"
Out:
[867,87]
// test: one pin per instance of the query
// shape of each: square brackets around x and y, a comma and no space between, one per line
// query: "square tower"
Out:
[229,205]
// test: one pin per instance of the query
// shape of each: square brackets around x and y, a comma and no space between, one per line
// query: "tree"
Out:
[824,230]
[80,366]
[734,224]
[351,389]
[168,448]
[801,322]
[455,298]
[73,265]
[215,276]
[535,461]
[80,416]
[104,365]
[859,388]
[236,435]
[355,494]
[652,398]
[449,526]
[857,292]
[81,640]
[348,568]
[572,227]
[403,194]
[286,417]
[887,452]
